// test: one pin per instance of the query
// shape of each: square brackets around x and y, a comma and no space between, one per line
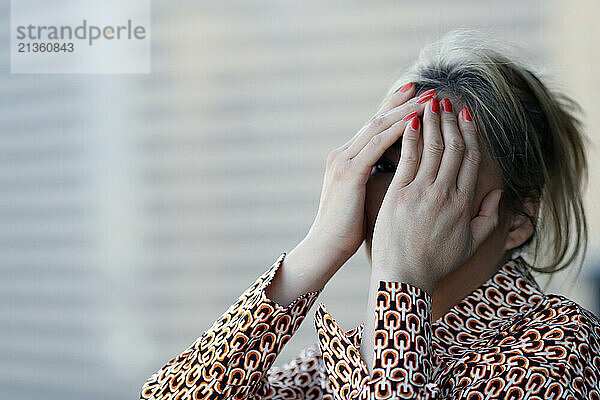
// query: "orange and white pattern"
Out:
[507,339]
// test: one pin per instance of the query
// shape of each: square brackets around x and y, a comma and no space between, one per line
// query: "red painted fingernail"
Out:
[410,116]
[424,99]
[415,123]
[466,114]
[501,197]
[435,105]
[406,87]
[446,105]
[430,92]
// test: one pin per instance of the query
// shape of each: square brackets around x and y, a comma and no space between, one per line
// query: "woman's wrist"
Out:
[306,268]
[326,249]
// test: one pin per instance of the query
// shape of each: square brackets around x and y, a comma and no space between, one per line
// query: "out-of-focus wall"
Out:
[572,34]
[135,209]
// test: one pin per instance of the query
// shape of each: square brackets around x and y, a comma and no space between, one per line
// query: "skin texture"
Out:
[434,223]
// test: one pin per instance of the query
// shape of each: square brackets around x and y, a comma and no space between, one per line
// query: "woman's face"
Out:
[490,177]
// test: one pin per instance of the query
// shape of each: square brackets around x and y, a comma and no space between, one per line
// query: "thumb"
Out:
[488,217]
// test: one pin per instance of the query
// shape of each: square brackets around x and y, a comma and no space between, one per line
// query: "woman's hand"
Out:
[340,220]
[424,228]
[339,227]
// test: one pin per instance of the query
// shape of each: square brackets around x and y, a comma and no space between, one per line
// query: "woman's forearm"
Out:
[307,268]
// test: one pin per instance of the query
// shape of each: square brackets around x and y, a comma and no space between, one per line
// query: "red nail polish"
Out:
[430,92]
[435,105]
[466,114]
[500,201]
[446,105]
[415,123]
[424,99]
[406,87]
[410,116]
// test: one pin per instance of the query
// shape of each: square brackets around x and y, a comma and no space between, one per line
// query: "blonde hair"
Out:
[533,133]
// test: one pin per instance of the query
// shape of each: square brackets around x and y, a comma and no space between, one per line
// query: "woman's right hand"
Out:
[340,223]
[339,227]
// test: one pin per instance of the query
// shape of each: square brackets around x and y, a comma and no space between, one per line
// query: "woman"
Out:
[492,167]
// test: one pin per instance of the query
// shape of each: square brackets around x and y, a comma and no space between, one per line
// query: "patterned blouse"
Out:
[507,339]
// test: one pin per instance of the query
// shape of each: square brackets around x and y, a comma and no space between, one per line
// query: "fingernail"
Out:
[501,197]
[424,99]
[446,105]
[410,116]
[415,123]
[429,92]
[435,106]
[466,114]
[406,87]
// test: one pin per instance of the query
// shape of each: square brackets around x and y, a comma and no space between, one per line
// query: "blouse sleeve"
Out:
[231,359]
[402,360]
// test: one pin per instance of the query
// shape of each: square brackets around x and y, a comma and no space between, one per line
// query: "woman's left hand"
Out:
[424,228]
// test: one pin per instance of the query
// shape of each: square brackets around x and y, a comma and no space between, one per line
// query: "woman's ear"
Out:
[521,227]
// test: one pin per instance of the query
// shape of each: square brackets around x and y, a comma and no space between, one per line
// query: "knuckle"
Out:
[339,169]
[448,118]
[442,195]
[410,137]
[378,122]
[473,156]
[469,129]
[376,140]
[333,155]
[470,135]
[410,157]
[436,146]
[456,144]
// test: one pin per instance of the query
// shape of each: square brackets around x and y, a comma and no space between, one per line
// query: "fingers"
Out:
[469,169]
[401,96]
[398,98]
[378,145]
[409,156]
[454,146]
[433,145]
[382,122]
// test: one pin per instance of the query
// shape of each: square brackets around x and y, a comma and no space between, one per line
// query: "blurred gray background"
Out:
[136,208]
